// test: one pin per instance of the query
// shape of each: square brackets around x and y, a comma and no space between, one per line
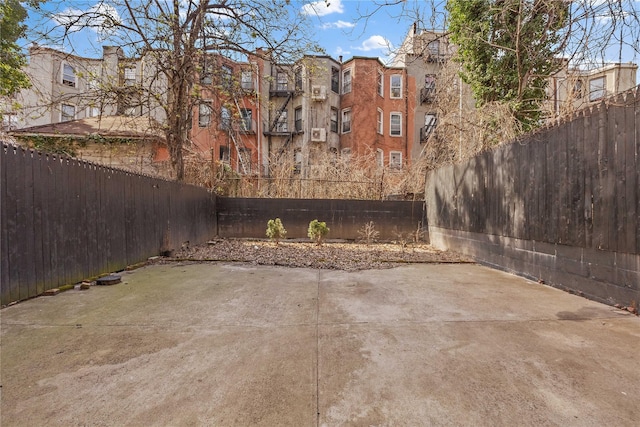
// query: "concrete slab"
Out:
[224,344]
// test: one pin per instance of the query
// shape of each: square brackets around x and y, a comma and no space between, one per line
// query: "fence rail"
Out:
[63,220]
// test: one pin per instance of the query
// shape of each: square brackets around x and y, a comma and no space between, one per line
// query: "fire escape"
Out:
[278,125]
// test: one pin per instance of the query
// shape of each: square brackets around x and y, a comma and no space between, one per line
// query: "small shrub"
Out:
[368,233]
[275,230]
[317,231]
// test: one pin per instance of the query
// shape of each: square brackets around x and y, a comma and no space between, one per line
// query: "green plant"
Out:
[368,233]
[275,230]
[317,231]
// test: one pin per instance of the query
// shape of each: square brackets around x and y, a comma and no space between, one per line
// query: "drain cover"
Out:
[112,279]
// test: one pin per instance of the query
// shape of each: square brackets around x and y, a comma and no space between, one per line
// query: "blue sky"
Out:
[342,27]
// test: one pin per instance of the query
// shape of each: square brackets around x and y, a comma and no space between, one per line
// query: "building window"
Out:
[395,160]
[597,88]
[224,154]
[130,76]
[247,120]
[396,86]
[282,82]
[67,112]
[297,160]
[282,124]
[297,116]
[380,157]
[430,121]
[433,48]
[204,115]
[346,81]
[246,81]
[346,120]
[226,76]
[578,89]
[345,153]
[334,119]
[395,125]
[380,121]
[298,78]
[335,80]
[206,75]
[225,118]
[428,93]
[380,83]
[68,75]
[93,111]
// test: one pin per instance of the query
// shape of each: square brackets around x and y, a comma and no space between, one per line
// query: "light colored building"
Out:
[68,87]
[573,88]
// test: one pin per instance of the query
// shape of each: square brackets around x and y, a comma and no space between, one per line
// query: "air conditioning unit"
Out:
[318,135]
[318,93]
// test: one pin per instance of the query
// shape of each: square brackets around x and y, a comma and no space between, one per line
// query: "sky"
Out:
[344,28]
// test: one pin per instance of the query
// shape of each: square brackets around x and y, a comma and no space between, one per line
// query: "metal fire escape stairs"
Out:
[236,137]
[276,120]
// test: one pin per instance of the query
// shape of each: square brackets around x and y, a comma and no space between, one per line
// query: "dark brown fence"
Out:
[561,205]
[64,220]
[246,217]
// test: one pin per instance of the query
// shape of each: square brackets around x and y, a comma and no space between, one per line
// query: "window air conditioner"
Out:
[318,135]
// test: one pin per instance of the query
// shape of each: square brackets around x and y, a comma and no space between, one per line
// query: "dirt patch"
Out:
[330,255]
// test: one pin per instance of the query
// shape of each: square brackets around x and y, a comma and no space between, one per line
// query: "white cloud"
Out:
[322,7]
[374,43]
[338,24]
[341,52]
[99,18]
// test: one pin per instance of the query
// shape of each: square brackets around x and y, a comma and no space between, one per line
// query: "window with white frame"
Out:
[297,78]
[380,157]
[246,122]
[346,120]
[380,83]
[334,119]
[597,88]
[380,122]
[93,112]
[68,75]
[246,80]
[346,81]
[283,122]
[395,124]
[204,114]
[396,86]
[395,159]
[67,112]
[129,76]
[433,48]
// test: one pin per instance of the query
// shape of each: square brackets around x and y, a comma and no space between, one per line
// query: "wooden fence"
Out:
[64,220]
[561,205]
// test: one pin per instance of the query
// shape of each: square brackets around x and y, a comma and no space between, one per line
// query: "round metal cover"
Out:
[111,279]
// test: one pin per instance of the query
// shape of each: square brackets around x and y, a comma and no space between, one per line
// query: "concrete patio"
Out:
[239,345]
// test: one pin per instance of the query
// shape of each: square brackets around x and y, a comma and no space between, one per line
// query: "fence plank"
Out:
[6,153]
[30,278]
[628,176]
[599,190]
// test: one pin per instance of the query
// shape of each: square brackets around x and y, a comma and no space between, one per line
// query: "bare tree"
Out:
[172,37]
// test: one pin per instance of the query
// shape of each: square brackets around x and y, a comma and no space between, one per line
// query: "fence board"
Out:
[30,281]
[599,190]
[4,243]
[628,175]
[38,223]
[19,245]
